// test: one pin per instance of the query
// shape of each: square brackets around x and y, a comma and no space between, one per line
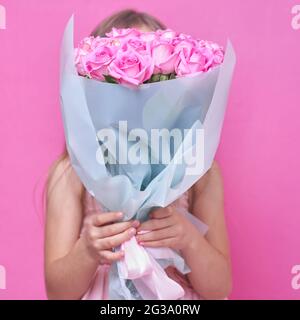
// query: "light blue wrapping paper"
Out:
[190,103]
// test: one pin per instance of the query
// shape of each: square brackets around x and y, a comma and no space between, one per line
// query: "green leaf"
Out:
[155,78]
[164,77]
[161,77]
[110,79]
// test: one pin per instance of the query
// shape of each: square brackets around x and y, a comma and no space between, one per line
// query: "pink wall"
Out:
[259,153]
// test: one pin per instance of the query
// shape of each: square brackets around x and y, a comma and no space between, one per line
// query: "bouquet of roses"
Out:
[137,142]
[131,57]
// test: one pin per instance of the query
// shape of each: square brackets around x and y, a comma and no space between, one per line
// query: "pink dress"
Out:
[98,289]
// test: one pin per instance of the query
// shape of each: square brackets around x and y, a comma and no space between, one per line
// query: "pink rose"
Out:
[136,44]
[131,68]
[79,61]
[96,62]
[164,57]
[187,45]
[167,35]
[184,36]
[148,36]
[198,59]
[88,44]
[85,46]
[218,51]
[190,62]
[92,54]
[123,34]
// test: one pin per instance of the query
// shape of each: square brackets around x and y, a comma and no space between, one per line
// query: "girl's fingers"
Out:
[161,213]
[116,240]
[157,234]
[116,228]
[155,224]
[160,243]
[109,256]
[100,219]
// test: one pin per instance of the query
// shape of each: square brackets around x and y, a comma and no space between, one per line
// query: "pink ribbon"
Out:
[150,279]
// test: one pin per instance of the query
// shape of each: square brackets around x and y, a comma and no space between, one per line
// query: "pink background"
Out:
[259,152]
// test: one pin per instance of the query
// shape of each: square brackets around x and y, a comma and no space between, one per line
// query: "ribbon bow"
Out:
[149,278]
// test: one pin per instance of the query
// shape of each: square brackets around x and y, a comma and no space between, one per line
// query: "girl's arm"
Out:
[68,266]
[207,256]
[70,260]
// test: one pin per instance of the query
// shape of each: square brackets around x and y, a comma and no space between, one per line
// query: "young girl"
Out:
[79,238]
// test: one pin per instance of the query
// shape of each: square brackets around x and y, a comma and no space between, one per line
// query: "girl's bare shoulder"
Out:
[207,197]
[212,179]
[63,178]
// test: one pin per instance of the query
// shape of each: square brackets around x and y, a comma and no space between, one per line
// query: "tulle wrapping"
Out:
[193,103]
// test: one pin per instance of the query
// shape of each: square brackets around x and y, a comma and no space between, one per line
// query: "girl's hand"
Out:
[101,233]
[168,228]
